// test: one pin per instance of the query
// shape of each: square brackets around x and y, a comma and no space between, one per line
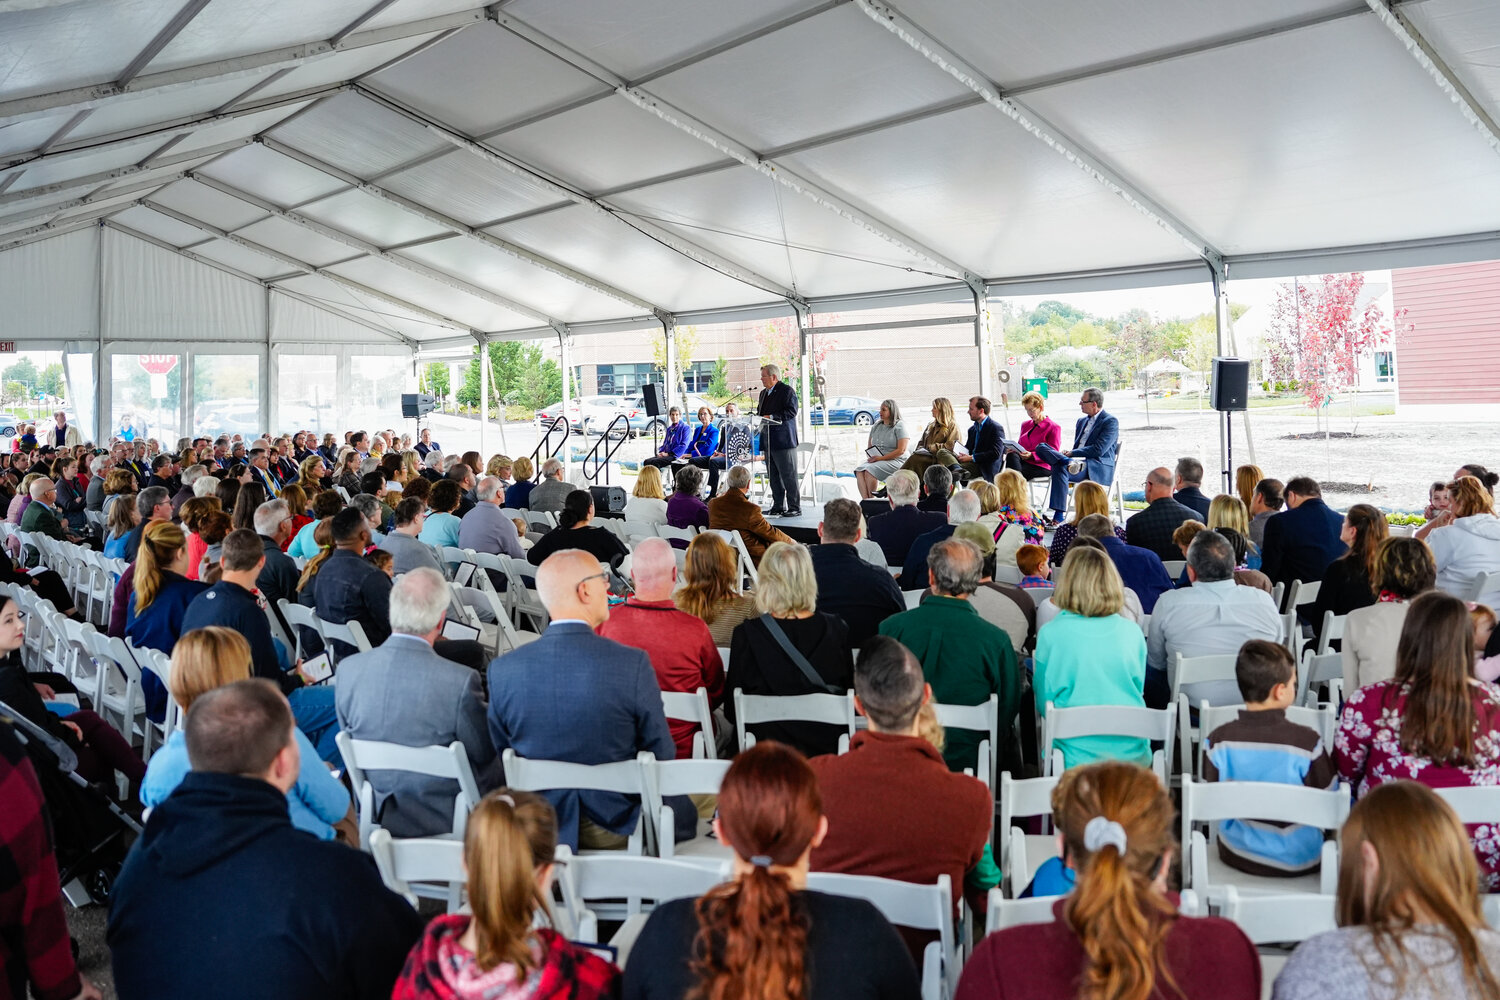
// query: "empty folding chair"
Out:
[586,881]
[1316,670]
[1273,918]
[752,709]
[431,861]
[666,778]
[693,707]
[626,777]
[1020,853]
[1332,630]
[350,633]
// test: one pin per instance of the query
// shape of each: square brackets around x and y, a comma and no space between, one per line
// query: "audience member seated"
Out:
[1347,581]
[47,583]
[500,467]
[1263,745]
[161,594]
[485,529]
[1004,605]
[42,517]
[935,446]
[943,825]
[963,508]
[204,660]
[1409,913]
[790,649]
[1118,934]
[346,588]
[1188,486]
[1096,448]
[965,658]
[889,439]
[575,530]
[1304,539]
[989,504]
[1017,524]
[407,553]
[1403,569]
[325,505]
[1215,616]
[1464,547]
[518,495]
[309,919]
[1088,498]
[278,578]
[895,531]
[937,487]
[1152,528]
[403,692]
[464,476]
[1433,722]
[647,503]
[1265,503]
[575,696]
[848,587]
[1036,430]
[441,526]
[685,508]
[1227,511]
[712,588]
[763,934]
[551,492]
[733,511]
[70,495]
[680,645]
[1139,568]
[94,493]
[495,949]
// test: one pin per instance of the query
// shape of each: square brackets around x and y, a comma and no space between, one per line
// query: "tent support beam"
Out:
[163,38]
[565,354]
[194,157]
[484,393]
[982,339]
[97,196]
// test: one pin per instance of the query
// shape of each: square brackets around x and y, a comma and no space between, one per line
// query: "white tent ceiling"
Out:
[436,168]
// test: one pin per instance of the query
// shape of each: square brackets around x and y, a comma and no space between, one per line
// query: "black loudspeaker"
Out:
[610,499]
[414,405]
[656,399]
[1231,385]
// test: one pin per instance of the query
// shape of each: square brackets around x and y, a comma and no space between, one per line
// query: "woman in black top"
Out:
[575,530]
[1346,582]
[763,935]
[787,595]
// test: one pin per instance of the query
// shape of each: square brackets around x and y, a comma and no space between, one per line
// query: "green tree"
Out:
[435,378]
[23,371]
[52,381]
[687,346]
[718,384]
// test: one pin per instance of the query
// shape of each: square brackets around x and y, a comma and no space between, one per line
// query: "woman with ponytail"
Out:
[160,594]
[1409,914]
[1117,935]
[495,954]
[763,935]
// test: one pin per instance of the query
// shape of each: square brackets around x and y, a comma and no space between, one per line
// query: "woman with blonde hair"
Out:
[890,436]
[1090,654]
[500,466]
[208,658]
[1467,544]
[346,473]
[1018,525]
[118,524]
[937,441]
[647,503]
[1410,919]
[780,652]
[989,504]
[1130,607]
[1088,498]
[1245,478]
[117,482]
[711,587]
[1228,511]
[1117,935]
[161,594]
[1036,430]
[496,951]
[518,494]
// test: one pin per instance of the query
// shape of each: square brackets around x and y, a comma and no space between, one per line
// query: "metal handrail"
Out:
[536,455]
[603,463]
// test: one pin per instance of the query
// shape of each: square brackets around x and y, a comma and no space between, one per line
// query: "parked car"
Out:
[552,411]
[861,411]
[646,426]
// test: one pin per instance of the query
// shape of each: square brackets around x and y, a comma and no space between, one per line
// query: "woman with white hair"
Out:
[791,649]
[890,436]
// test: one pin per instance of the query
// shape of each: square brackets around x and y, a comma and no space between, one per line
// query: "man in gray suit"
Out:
[485,529]
[407,553]
[550,493]
[403,692]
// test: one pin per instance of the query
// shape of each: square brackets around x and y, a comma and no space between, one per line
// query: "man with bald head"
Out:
[681,648]
[1152,528]
[574,695]
[41,513]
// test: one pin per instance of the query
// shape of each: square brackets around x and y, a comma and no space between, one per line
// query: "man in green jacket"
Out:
[964,657]
[39,514]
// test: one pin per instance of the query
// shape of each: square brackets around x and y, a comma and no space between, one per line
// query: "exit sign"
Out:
[7,347]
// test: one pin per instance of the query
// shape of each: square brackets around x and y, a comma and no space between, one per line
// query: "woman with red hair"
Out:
[763,935]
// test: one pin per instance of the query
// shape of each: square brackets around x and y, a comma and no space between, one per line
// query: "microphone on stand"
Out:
[742,390]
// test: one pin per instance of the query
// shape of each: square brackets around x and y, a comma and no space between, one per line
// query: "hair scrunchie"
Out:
[1101,833]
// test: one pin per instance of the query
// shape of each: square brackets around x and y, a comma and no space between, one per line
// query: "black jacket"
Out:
[1192,496]
[853,590]
[780,403]
[914,567]
[1152,528]
[222,897]
[757,665]
[896,530]
[1301,542]
[278,577]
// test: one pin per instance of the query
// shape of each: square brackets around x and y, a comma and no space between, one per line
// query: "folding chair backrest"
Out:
[1174,567]
[418,859]
[1002,913]
[299,617]
[908,904]
[1020,797]
[1283,917]
[667,531]
[1215,801]
[1479,804]
[984,718]
[1482,584]
[1185,670]
[1156,725]
[529,775]
[750,709]
[1316,670]
[350,632]
[1333,629]
[451,762]
[1211,717]
[692,707]
[587,878]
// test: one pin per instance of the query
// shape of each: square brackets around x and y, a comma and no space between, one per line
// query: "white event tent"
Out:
[332,189]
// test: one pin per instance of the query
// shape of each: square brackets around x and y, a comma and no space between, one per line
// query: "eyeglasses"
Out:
[595,576]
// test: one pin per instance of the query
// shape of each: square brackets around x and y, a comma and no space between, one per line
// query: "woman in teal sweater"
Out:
[1091,655]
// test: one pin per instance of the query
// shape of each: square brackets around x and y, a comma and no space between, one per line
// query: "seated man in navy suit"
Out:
[895,531]
[984,447]
[575,696]
[1096,442]
[1302,540]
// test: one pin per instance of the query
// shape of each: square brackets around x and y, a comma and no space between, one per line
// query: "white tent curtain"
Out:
[50,291]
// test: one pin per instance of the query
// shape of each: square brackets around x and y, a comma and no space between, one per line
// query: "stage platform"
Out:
[804,527]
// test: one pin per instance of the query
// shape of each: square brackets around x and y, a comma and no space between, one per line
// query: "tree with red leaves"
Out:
[1318,332]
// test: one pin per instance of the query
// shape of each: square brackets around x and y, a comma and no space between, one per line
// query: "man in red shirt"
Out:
[680,646]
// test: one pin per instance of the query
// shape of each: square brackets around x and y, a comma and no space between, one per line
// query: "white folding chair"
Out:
[746,566]
[1022,853]
[1277,918]
[752,709]
[1184,671]
[1479,804]
[1156,725]
[984,718]
[1007,574]
[1323,721]
[1316,670]
[907,904]
[1482,584]
[408,860]
[587,880]
[1333,629]
[682,534]
[1003,913]
[627,777]
[449,762]
[1174,567]
[299,618]
[350,632]
[523,597]
[685,777]
[693,707]
[117,692]
[1291,634]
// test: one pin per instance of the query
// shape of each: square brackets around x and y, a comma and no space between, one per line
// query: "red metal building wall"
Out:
[1451,353]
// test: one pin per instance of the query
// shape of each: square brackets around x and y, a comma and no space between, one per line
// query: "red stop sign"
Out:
[158,364]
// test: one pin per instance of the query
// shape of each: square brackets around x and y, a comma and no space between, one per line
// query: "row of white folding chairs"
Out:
[1155,725]
[506,636]
[299,617]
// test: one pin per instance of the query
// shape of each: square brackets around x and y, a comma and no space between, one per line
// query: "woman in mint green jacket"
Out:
[1090,654]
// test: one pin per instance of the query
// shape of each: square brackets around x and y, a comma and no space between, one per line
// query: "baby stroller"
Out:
[90,832]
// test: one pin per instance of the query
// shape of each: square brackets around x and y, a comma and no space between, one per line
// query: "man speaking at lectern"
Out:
[779,441]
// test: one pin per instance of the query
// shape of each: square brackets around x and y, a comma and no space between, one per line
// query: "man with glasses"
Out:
[779,442]
[1152,528]
[573,695]
[1096,444]
[41,513]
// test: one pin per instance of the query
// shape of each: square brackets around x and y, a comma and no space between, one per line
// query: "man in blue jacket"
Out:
[1302,540]
[1096,443]
[222,897]
[984,447]
[779,441]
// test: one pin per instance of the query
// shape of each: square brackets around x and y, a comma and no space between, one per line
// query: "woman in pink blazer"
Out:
[1040,429]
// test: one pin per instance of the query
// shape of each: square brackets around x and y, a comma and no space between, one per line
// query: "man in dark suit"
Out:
[1302,540]
[895,530]
[779,441]
[985,445]
[861,594]
[1140,569]
[1096,444]
[260,470]
[163,473]
[962,508]
[1152,528]
[1189,484]
[575,696]
[937,487]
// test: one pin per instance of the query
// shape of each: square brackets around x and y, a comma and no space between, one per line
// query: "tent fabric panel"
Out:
[140,110]
[415,10]
[295,242]
[371,219]
[154,295]
[477,313]
[861,73]
[57,46]
[597,244]
[1307,151]
[155,224]
[241,259]
[30,134]
[271,176]
[228,28]
[207,205]
[296,321]
[634,38]
[341,67]
[358,135]
[51,288]
[482,59]
[980,189]
[468,189]
[393,321]
[236,128]
[641,146]
[62,169]
[1466,34]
